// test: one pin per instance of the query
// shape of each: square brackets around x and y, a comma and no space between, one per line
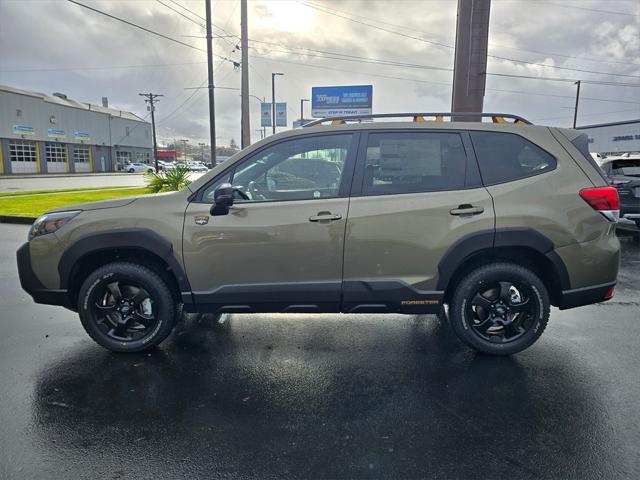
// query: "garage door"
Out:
[81,159]
[56,158]
[24,156]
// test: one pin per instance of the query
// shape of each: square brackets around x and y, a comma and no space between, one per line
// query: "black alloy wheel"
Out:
[125,311]
[502,312]
[499,308]
[127,307]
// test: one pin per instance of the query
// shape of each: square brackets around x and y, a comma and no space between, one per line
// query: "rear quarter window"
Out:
[504,157]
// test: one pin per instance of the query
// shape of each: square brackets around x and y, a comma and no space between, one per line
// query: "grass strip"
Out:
[13,193]
[36,205]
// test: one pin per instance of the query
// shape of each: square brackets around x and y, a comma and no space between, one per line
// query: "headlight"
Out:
[50,222]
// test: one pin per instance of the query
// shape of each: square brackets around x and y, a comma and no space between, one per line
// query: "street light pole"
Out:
[184,143]
[212,111]
[245,135]
[273,100]
[302,100]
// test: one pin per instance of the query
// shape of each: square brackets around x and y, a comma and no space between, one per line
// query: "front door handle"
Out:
[467,209]
[324,217]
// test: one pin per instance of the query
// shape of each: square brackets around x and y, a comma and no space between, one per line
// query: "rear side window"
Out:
[581,142]
[505,156]
[407,162]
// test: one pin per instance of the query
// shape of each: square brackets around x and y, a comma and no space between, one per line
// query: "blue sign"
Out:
[82,136]
[55,133]
[281,114]
[343,100]
[23,130]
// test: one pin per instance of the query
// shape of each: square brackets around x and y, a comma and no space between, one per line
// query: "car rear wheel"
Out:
[126,307]
[131,170]
[500,309]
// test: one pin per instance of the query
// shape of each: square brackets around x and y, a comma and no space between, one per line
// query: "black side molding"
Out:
[139,238]
[383,296]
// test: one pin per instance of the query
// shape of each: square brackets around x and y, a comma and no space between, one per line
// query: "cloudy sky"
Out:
[56,46]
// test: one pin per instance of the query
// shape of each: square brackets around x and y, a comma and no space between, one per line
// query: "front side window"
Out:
[504,157]
[303,168]
[402,162]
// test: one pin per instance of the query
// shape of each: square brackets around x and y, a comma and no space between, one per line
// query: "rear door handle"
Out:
[467,209]
[324,217]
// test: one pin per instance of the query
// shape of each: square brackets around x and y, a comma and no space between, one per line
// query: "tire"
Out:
[131,170]
[150,171]
[483,305]
[135,315]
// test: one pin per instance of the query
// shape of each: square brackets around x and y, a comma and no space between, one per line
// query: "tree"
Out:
[233,144]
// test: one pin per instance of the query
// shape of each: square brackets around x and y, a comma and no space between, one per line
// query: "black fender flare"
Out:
[475,242]
[138,238]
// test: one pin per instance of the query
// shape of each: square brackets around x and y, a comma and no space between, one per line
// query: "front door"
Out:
[280,247]
[415,194]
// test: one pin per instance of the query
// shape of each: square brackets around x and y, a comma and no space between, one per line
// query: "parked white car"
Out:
[198,167]
[139,168]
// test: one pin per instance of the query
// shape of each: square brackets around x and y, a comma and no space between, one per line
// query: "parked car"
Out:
[197,167]
[485,224]
[139,168]
[625,176]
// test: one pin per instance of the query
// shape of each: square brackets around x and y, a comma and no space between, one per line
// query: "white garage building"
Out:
[613,138]
[54,134]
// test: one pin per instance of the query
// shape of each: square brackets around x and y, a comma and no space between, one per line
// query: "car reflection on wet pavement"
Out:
[325,396]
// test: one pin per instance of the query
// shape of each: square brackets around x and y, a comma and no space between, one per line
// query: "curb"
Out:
[17,219]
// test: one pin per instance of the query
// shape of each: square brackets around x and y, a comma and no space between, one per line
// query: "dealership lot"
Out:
[275,396]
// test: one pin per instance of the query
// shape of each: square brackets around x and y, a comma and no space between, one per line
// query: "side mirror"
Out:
[223,199]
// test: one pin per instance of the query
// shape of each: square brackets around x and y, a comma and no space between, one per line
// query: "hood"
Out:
[114,203]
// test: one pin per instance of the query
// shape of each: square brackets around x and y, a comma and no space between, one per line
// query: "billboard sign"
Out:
[342,100]
[281,114]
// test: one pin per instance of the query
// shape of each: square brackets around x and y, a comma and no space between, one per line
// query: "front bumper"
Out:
[34,287]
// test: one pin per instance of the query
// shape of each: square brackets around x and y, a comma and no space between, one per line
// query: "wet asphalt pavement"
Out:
[330,396]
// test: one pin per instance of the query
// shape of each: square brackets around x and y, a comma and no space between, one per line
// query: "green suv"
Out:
[486,224]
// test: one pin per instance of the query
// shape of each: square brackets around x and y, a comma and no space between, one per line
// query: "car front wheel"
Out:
[500,309]
[131,170]
[126,307]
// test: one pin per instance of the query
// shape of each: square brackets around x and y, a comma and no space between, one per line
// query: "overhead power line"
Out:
[186,9]
[441,44]
[588,9]
[166,37]
[491,44]
[180,13]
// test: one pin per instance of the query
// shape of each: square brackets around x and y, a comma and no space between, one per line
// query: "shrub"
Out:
[168,181]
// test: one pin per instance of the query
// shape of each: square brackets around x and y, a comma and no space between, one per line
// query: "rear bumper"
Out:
[585,296]
[34,287]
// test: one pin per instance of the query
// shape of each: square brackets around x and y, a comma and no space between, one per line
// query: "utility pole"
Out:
[575,111]
[273,100]
[245,135]
[212,110]
[184,143]
[150,98]
[470,62]
[302,100]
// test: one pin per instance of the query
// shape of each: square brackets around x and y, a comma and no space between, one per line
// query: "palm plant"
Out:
[168,181]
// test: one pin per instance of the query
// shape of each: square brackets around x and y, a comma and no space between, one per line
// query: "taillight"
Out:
[609,293]
[603,199]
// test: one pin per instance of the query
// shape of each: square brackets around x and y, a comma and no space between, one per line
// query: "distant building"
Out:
[613,138]
[54,134]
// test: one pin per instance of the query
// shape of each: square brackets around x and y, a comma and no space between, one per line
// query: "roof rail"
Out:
[420,117]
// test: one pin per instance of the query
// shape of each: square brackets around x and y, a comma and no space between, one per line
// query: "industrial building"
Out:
[54,134]
[613,138]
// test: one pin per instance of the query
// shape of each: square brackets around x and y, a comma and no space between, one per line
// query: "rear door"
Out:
[416,193]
